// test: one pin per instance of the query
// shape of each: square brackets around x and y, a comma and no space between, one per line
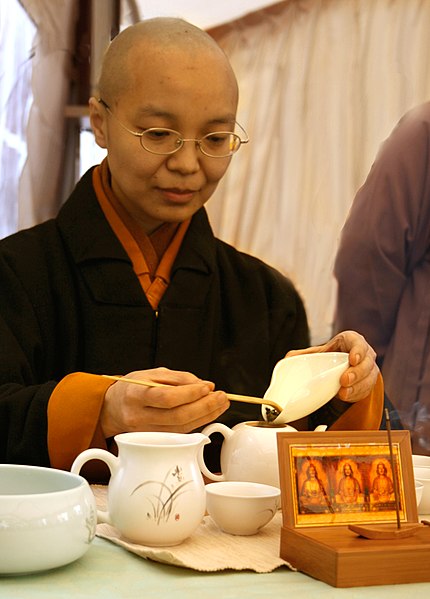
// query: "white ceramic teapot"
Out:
[249,451]
[156,494]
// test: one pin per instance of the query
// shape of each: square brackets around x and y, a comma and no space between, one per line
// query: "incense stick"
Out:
[394,471]
[230,396]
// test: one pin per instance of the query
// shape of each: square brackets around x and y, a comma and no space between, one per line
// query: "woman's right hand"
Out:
[183,405]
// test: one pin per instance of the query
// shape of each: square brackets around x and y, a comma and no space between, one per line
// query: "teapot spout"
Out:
[321,428]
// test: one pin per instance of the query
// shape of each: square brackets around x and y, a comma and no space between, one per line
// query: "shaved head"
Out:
[167,75]
[130,49]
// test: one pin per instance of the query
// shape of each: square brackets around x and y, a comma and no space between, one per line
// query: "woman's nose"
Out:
[187,158]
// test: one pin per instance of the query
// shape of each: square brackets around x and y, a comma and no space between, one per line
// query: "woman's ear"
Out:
[98,121]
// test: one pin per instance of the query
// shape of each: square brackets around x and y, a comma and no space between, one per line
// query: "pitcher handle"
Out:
[96,454]
[216,427]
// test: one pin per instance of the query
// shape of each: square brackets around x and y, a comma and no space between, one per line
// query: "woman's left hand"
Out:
[359,379]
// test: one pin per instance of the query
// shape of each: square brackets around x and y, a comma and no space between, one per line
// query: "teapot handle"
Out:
[96,454]
[216,427]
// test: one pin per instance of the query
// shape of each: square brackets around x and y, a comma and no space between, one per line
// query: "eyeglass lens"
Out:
[165,141]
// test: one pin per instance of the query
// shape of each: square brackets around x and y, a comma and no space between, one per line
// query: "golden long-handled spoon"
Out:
[231,396]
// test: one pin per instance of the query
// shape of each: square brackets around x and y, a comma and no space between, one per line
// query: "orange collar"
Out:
[152,257]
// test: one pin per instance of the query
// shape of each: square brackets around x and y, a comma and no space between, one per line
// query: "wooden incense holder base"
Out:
[337,556]
[385,531]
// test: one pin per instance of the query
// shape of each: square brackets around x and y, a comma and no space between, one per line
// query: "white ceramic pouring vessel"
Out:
[156,494]
[304,383]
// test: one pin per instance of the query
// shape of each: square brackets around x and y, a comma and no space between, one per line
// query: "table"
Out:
[110,572]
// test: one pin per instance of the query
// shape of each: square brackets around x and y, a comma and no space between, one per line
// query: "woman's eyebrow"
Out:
[227,120]
[154,111]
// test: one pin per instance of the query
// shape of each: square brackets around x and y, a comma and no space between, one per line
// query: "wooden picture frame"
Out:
[340,478]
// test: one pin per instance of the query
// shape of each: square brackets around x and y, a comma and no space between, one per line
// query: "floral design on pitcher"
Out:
[177,472]
[163,501]
[91,524]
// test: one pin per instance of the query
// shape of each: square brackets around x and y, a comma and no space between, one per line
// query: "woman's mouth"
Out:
[177,195]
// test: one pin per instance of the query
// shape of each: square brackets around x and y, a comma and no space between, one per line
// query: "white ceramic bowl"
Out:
[419,487]
[47,518]
[421,460]
[242,508]
[422,475]
[302,384]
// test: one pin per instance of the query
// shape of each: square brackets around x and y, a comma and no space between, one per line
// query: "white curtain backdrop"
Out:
[322,82]
[40,181]
[16,38]
[203,14]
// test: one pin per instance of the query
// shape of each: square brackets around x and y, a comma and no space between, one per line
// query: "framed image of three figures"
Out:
[341,478]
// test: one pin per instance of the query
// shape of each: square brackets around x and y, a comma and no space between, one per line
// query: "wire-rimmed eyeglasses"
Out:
[164,141]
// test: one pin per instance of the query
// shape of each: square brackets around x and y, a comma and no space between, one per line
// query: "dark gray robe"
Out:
[70,301]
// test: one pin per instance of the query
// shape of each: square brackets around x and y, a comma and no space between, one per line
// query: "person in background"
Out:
[129,279]
[383,270]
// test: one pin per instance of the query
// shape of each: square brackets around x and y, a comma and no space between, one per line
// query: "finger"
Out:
[167,397]
[183,418]
[347,341]
[167,377]
[357,372]
[350,342]
[360,388]
[308,350]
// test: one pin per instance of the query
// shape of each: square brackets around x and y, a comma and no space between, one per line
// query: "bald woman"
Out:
[129,278]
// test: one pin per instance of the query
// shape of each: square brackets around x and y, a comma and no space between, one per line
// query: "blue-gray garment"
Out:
[383,269]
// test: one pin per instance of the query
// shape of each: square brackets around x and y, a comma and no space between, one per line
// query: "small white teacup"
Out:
[242,508]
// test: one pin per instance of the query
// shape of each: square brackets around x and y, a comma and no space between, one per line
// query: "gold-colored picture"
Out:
[344,478]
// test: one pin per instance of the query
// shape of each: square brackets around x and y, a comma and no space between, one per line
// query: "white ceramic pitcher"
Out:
[156,494]
[249,452]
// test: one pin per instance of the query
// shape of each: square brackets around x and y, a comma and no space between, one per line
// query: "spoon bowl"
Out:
[302,384]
